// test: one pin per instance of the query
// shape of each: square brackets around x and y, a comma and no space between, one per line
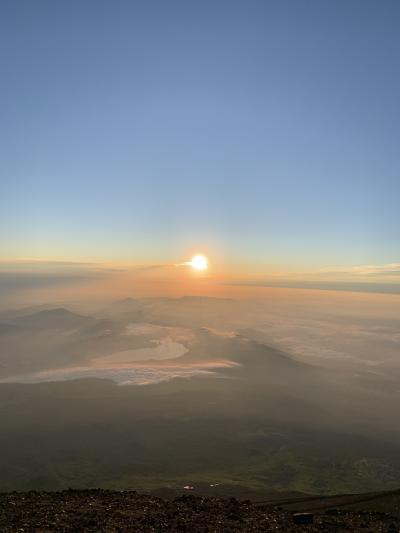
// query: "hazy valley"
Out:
[145,393]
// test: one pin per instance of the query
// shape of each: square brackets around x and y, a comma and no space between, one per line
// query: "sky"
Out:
[261,133]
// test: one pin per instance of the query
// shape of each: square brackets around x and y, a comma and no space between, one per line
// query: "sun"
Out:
[199,262]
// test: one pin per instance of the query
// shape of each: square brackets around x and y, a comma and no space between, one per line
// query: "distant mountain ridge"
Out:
[52,318]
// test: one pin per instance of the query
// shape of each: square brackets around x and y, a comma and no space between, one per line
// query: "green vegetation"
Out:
[51,447]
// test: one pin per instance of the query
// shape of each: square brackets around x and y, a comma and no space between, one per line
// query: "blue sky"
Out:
[137,131]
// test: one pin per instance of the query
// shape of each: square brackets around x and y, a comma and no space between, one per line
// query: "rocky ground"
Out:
[111,511]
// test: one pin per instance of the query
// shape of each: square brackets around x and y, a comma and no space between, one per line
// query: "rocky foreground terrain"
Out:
[111,511]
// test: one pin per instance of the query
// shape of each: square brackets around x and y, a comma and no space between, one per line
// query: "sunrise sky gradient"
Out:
[263,134]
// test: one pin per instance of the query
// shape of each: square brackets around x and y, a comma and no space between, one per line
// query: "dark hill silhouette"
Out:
[59,318]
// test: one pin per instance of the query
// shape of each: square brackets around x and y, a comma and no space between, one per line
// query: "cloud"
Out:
[13,281]
[33,276]
[360,278]
[389,269]
[147,268]
[384,288]
[129,374]
[34,266]
[28,274]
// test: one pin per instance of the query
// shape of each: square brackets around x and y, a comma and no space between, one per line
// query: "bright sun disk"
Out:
[199,262]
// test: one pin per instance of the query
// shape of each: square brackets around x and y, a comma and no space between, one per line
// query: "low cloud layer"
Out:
[41,281]
[361,278]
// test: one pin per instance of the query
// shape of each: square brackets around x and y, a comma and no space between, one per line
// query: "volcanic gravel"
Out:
[111,511]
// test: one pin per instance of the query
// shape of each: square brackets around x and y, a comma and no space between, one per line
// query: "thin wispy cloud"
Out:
[359,278]
[389,269]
